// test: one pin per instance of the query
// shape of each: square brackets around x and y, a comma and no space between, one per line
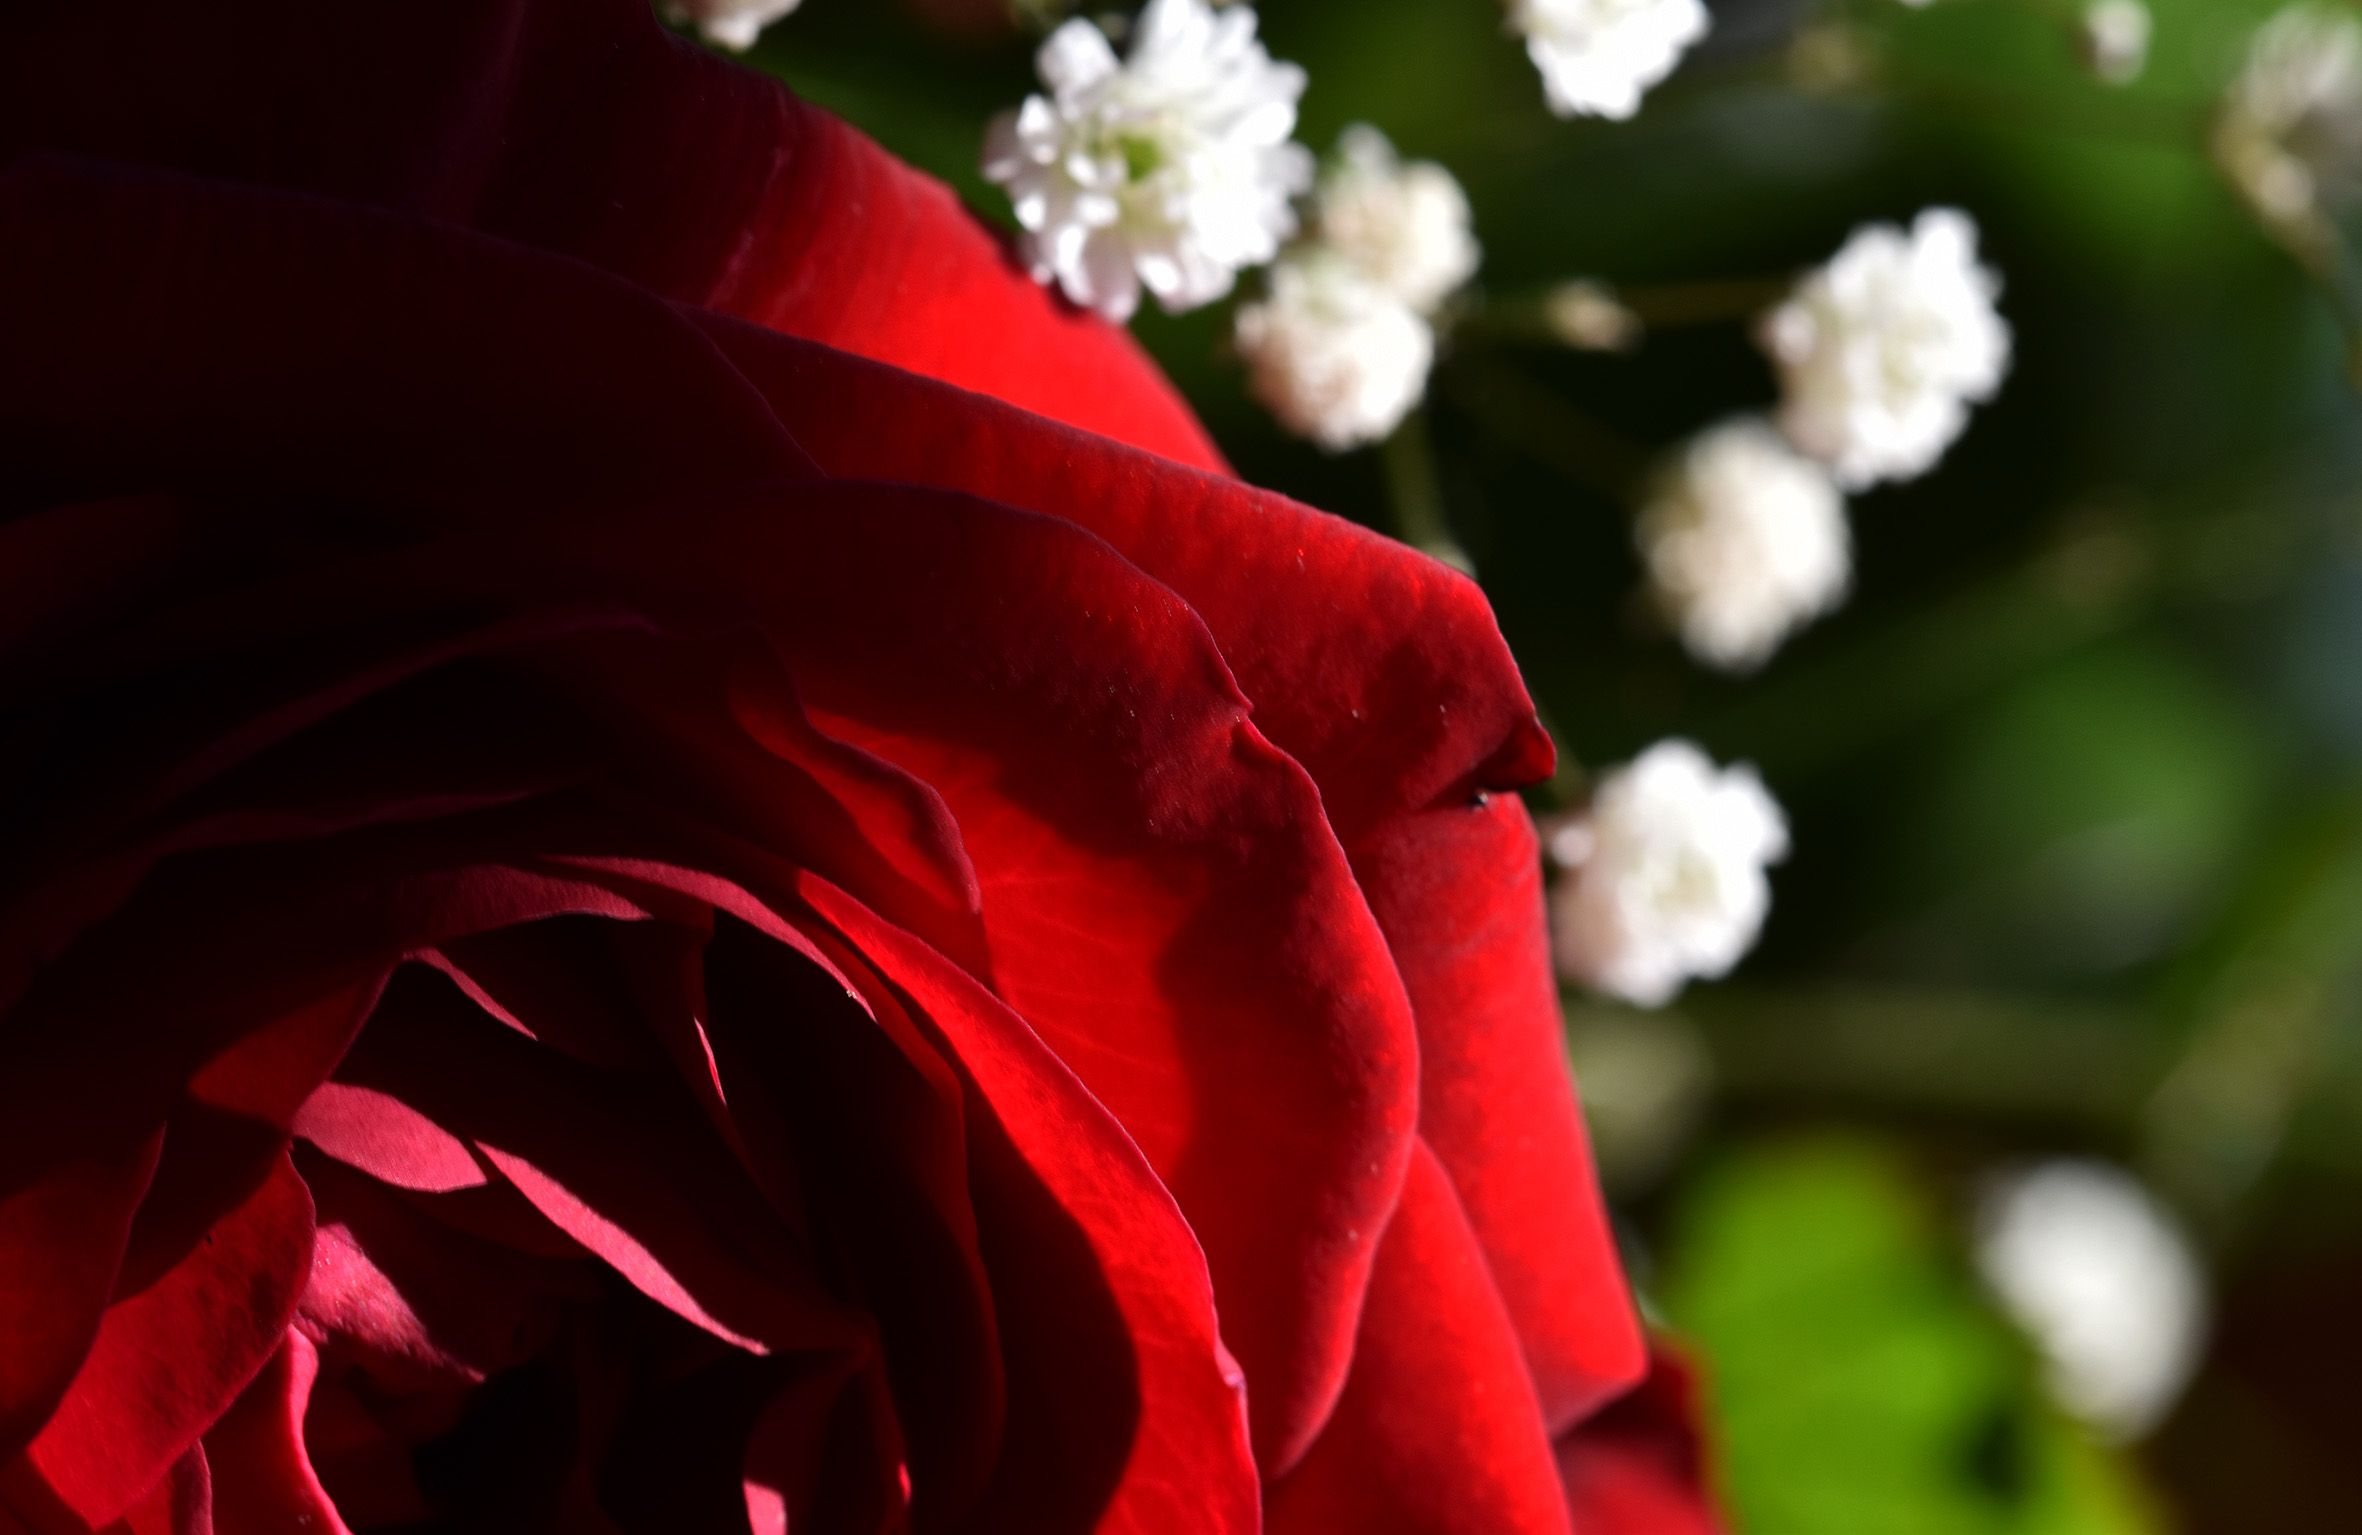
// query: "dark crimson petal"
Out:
[1189,1470]
[61,1240]
[1162,896]
[415,1305]
[580,126]
[379,1134]
[1438,1432]
[263,1483]
[100,269]
[181,1504]
[170,1360]
[166,273]
[623,1167]
[1459,893]
[1183,921]
[1384,674]
[231,1125]
[1379,669]
[1640,1467]
[859,1091]
[1150,1384]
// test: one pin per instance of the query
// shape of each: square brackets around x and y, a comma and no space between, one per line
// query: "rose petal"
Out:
[263,1481]
[181,1504]
[1379,669]
[1459,893]
[421,1309]
[1384,674]
[61,1240]
[579,126]
[169,1360]
[1164,901]
[625,1169]
[1639,1466]
[139,385]
[1438,1432]
[1057,1172]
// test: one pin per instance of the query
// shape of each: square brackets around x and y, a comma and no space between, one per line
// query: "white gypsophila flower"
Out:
[2290,131]
[1665,874]
[730,23]
[2114,37]
[1404,226]
[1587,315]
[1598,57]
[1882,351]
[1336,357]
[1171,169]
[2103,1279]
[1744,540]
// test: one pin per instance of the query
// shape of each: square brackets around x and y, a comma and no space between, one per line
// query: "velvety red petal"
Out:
[1438,1432]
[1160,890]
[388,1139]
[625,1172]
[263,1482]
[181,1504]
[1384,674]
[170,1360]
[209,274]
[1189,1467]
[61,1240]
[423,1311]
[1458,890]
[580,126]
[141,383]
[229,1129]
[1161,894]
[858,1093]
[1379,669]
[1640,1468]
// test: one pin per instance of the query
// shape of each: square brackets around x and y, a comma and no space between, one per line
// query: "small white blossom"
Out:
[2290,132]
[1172,168]
[1333,355]
[1665,878]
[1882,351]
[1744,540]
[2103,1280]
[730,23]
[1598,57]
[1587,315]
[2114,37]
[1403,226]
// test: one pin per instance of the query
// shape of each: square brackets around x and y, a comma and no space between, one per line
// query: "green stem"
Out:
[1532,318]
[2117,118]
[1545,426]
[1416,495]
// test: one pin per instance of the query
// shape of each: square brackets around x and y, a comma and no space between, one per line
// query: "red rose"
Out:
[642,894]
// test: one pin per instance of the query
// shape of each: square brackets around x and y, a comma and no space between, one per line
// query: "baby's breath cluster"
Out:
[1172,168]
[2104,1280]
[1340,346]
[1599,57]
[1882,351]
[2289,133]
[1663,875]
[732,24]
[1744,539]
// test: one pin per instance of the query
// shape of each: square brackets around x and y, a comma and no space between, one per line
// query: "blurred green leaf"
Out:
[1861,1384]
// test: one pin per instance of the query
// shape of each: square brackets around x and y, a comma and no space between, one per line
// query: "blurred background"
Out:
[2010,1183]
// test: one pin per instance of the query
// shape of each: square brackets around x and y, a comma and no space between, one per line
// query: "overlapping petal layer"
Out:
[580,126]
[652,924]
